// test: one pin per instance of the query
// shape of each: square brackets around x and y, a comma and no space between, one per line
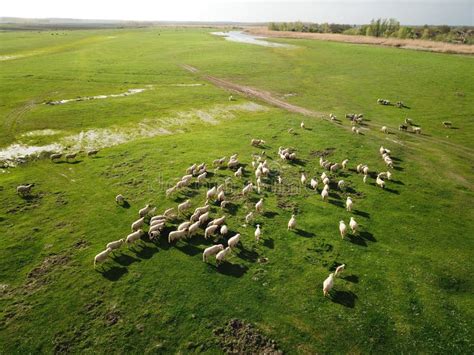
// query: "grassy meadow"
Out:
[407,287]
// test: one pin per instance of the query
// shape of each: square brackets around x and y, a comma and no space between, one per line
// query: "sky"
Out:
[418,12]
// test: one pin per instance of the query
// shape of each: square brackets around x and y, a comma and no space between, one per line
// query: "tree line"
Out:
[388,28]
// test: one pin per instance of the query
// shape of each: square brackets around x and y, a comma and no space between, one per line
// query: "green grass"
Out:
[408,285]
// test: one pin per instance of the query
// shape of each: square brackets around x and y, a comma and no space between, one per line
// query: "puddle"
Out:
[186,85]
[129,92]
[115,135]
[9,57]
[239,36]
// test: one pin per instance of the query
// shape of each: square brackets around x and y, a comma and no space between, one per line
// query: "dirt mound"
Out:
[239,337]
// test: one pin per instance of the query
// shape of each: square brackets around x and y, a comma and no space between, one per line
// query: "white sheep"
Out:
[102,256]
[314,183]
[133,237]
[138,224]
[340,184]
[191,169]
[303,179]
[184,226]
[344,163]
[193,228]
[115,244]
[380,182]
[233,241]
[246,190]
[365,170]
[220,256]
[184,206]
[353,224]
[389,175]
[292,222]
[176,235]
[328,284]
[259,206]
[200,178]
[203,218]
[349,204]
[249,217]
[153,234]
[323,176]
[326,181]
[119,199]
[169,212]
[302,125]
[384,129]
[224,230]
[335,167]
[342,229]
[364,179]
[339,270]
[211,251]
[417,130]
[279,179]
[211,193]
[324,194]
[24,190]
[218,221]
[171,191]
[238,173]
[258,233]
[144,211]
[211,230]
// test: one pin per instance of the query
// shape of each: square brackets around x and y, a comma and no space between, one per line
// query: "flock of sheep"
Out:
[191,222]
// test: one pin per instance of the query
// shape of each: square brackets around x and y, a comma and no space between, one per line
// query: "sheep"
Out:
[231,98]
[24,190]
[324,195]
[258,233]
[233,241]
[302,125]
[55,156]
[364,179]
[249,217]
[153,234]
[119,199]
[292,222]
[211,251]
[384,129]
[238,173]
[365,170]
[204,218]
[328,284]
[259,206]
[402,127]
[335,167]
[201,177]
[184,226]
[326,188]
[314,183]
[200,210]
[218,162]
[144,211]
[102,256]
[211,230]
[380,182]
[279,179]
[258,173]
[353,224]
[327,165]
[359,168]
[389,175]
[220,256]
[409,121]
[156,228]
[349,204]
[115,244]
[303,179]
[342,229]
[138,224]
[447,124]
[417,130]
[224,230]
[340,185]
[344,163]
[354,129]
[211,193]
[169,212]
[323,176]
[184,206]
[160,218]
[247,189]
[176,235]
[339,270]
[191,169]
[221,196]
[71,156]
[232,163]
[193,228]
[326,181]
[170,191]
[257,142]
[133,237]
[218,221]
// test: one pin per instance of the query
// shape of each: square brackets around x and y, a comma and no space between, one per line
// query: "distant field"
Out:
[408,282]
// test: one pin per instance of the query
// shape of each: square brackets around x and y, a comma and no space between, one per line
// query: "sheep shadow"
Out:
[368,236]
[344,298]
[337,203]
[30,197]
[269,243]
[398,182]
[114,273]
[357,239]
[229,269]
[305,234]
[232,208]
[73,162]
[146,252]
[392,190]
[189,249]
[124,259]
[248,255]
[125,204]
[398,168]
[362,214]
[270,214]
[351,278]
[334,195]
[297,161]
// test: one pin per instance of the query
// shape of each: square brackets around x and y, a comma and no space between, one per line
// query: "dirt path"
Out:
[417,44]
[270,99]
